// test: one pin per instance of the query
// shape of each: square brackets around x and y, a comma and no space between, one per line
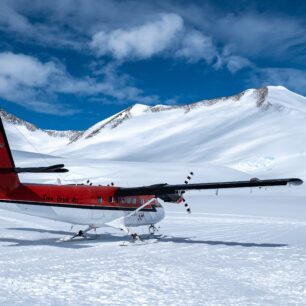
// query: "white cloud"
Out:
[235,63]
[167,36]
[110,28]
[139,42]
[253,32]
[195,46]
[232,62]
[294,79]
[25,70]
[113,86]
[26,81]
[12,20]
[261,35]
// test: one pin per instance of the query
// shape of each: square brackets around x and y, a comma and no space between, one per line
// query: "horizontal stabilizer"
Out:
[51,169]
[165,189]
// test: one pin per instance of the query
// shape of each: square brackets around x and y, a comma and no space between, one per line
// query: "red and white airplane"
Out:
[98,206]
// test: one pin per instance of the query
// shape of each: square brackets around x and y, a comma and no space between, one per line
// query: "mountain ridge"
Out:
[10,118]
[255,130]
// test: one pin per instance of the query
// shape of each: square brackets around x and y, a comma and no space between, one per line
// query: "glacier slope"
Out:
[257,130]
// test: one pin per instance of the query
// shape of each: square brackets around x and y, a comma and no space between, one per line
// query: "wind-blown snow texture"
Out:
[242,247]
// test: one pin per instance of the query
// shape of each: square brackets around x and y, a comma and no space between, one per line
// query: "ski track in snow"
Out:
[204,259]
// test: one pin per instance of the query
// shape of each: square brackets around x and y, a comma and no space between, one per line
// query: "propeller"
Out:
[88,182]
[187,180]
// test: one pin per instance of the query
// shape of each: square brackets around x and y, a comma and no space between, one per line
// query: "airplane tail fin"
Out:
[8,176]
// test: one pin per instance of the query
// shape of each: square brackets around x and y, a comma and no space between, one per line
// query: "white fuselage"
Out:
[84,216]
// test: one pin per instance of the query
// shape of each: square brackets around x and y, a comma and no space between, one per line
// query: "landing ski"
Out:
[143,240]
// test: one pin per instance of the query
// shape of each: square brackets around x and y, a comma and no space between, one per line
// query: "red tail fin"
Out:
[8,177]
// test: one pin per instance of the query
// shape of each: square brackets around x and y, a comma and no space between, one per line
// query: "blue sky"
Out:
[66,64]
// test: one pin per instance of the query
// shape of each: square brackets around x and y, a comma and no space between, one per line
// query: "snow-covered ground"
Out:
[216,256]
[242,247]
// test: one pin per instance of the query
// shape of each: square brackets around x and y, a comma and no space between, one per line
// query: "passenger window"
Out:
[142,201]
[111,199]
[134,201]
[122,200]
[100,200]
[129,200]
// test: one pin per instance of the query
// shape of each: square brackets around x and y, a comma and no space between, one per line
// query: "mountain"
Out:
[253,131]
[25,136]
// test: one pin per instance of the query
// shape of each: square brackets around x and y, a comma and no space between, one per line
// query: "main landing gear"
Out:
[153,229]
[144,239]
[81,234]
[135,237]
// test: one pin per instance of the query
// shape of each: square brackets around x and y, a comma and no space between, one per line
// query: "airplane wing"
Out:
[171,192]
[51,169]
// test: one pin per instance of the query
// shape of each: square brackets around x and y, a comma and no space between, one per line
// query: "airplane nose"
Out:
[160,213]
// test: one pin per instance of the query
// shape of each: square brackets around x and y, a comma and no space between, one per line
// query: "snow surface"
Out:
[208,258]
[242,247]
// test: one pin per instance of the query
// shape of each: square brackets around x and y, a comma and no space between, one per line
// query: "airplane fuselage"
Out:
[81,204]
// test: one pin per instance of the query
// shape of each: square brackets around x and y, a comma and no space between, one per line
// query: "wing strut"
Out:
[119,223]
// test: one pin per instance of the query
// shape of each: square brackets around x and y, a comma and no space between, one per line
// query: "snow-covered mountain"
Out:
[253,130]
[25,136]
[256,130]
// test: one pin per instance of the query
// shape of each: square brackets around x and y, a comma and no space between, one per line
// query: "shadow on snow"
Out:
[108,237]
[227,243]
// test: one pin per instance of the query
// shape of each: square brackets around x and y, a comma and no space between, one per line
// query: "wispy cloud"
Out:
[169,37]
[261,35]
[26,81]
[14,19]
[121,31]
[294,79]
[231,61]
[250,32]
[141,42]
[194,46]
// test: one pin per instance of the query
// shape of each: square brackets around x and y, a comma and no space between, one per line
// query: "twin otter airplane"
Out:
[98,206]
